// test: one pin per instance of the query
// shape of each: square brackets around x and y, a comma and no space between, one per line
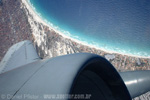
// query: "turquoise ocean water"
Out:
[121,26]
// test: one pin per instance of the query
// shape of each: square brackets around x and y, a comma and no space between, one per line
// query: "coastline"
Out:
[50,42]
[39,18]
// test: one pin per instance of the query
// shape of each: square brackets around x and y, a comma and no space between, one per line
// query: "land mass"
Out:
[19,22]
[51,43]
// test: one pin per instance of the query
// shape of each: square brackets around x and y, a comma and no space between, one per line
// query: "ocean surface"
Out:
[121,26]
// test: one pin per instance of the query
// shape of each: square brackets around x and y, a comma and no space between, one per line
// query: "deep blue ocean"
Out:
[116,25]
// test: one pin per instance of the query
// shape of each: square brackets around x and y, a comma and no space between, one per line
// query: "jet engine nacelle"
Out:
[80,76]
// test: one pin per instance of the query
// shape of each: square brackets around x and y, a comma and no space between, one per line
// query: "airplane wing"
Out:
[19,54]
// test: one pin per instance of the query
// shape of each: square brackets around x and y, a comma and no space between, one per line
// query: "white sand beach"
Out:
[50,42]
[37,18]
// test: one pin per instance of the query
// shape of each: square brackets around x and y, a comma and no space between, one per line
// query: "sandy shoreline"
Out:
[49,42]
[38,18]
